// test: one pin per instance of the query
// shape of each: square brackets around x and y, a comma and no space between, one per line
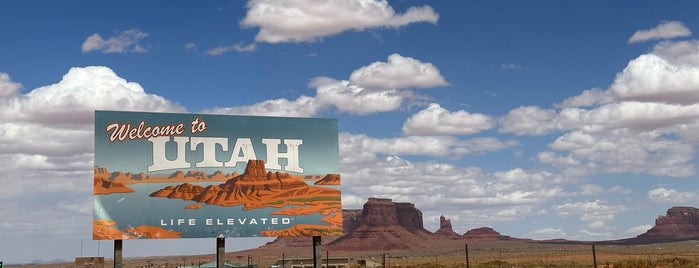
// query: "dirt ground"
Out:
[454,254]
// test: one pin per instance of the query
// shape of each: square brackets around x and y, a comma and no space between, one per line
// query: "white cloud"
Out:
[672,196]
[8,88]
[78,94]
[664,30]
[46,134]
[596,225]
[398,72]
[237,47]
[590,189]
[587,98]
[190,47]
[303,106]
[619,151]
[434,146]
[637,230]
[645,122]
[435,120]
[547,233]
[652,78]
[510,66]
[478,198]
[125,42]
[529,120]
[350,97]
[592,211]
[308,21]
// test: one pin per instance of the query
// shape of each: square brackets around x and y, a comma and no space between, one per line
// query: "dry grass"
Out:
[481,254]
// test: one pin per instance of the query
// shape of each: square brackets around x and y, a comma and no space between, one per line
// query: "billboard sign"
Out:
[165,175]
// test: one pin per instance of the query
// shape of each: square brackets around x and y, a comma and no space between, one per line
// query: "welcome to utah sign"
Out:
[163,175]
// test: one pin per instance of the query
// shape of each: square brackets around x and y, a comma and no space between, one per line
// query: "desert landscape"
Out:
[391,234]
[255,188]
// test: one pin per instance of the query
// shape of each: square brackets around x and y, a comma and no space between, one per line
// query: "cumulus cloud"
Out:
[530,120]
[547,233]
[8,88]
[664,30]
[398,72]
[125,42]
[49,129]
[355,97]
[637,230]
[81,91]
[435,146]
[435,121]
[591,211]
[477,197]
[308,21]
[46,141]
[350,98]
[663,195]
[643,123]
[303,106]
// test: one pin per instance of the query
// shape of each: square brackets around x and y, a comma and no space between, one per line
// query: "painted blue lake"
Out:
[137,208]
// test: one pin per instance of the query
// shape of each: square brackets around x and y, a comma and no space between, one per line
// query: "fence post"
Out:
[467,264]
[594,256]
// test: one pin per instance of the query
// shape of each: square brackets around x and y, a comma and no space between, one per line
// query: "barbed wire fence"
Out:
[486,256]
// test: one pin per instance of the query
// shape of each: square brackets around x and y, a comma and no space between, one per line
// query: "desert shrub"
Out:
[493,264]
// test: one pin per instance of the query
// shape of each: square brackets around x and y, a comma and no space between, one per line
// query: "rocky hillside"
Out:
[445,230]
[680,223]
[383,224]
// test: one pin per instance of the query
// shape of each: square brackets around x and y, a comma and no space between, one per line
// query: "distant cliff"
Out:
[445,230]
[680,223]
[383,224]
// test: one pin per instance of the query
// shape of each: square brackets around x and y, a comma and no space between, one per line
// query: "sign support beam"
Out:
[220,252]
[317,253]
[118,253]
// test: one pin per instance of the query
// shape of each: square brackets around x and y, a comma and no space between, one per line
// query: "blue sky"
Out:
[544,119]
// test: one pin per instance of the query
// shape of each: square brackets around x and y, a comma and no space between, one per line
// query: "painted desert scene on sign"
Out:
[257,202]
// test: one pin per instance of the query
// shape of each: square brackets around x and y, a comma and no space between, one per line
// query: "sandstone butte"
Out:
[106,230]
[116,182]
[330,179]
[104,186]
[257,188]
[193,206]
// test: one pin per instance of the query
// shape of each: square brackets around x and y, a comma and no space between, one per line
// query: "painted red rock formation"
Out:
[133,178]
[255,188]
[330,179]
[104,186]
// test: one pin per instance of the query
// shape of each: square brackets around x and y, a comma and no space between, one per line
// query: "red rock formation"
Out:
[445,230]
[680,223]
[330,179]
[486,234]
[384,225]
[350,219]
